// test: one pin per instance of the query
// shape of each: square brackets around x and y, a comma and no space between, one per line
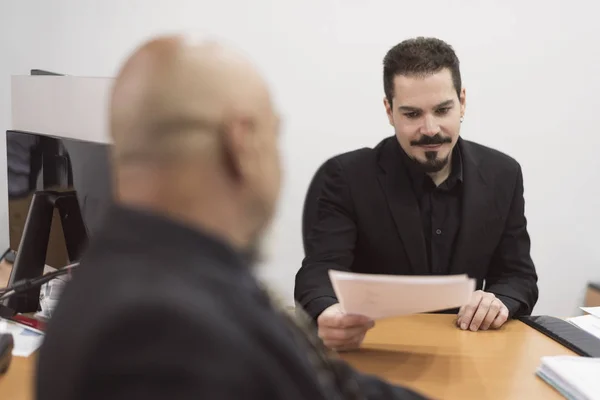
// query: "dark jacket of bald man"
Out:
[160,311]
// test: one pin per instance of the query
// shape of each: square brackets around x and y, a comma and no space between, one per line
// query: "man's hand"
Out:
[484,311]
[340,331]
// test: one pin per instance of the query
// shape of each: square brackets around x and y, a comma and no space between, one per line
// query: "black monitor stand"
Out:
[31,255]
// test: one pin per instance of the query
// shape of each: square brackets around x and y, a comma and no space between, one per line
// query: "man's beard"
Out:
[432,163]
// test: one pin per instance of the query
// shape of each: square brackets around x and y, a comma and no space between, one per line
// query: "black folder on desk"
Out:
[565,333]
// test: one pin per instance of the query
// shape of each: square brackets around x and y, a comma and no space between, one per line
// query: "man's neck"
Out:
[219,225]
[220,216]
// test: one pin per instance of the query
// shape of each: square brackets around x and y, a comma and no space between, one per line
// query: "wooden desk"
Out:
[429,354]
[424,352]
[592,296]
[17,384]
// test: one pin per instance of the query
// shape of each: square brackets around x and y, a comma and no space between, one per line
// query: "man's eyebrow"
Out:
[417,109]
[445,103]
[409,108]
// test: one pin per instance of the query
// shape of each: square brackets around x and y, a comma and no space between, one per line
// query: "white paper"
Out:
[588,323]
[26,340]
[575,377]
[592,310]
[383,296]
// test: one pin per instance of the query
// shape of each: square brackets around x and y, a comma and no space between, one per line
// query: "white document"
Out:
[574,377]
[588,323]
[26,340]
[383,296]
[595,311]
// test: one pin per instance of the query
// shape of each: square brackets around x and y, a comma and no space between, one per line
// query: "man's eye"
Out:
[411,115]
[444,110]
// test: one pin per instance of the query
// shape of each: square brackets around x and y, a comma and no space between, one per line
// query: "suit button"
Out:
[438,231]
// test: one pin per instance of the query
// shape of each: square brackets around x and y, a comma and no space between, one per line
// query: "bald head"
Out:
[195,137]
[173,96]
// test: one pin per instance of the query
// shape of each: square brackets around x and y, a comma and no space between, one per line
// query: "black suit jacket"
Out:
[368,221]
[157,310]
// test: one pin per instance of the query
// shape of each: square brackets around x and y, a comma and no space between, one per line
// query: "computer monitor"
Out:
[58,191]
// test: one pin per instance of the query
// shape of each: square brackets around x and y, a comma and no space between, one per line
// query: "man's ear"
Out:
[388,111]
[237,136]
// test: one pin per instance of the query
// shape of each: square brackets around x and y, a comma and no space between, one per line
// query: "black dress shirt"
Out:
[440,209]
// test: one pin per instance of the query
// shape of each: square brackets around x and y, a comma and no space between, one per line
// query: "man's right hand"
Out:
[340,331]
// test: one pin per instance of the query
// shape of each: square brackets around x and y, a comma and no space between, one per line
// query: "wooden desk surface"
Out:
[424,352]
[17,384]
[592,295]
[429,354]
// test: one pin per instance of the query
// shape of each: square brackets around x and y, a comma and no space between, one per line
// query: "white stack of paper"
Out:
[26,340]
[574,377]
[595,311]
[590,322]
[383,296]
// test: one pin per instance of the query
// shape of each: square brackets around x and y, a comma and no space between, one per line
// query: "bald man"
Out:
[164,305]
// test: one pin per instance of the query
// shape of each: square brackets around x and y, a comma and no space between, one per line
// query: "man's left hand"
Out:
[483,312]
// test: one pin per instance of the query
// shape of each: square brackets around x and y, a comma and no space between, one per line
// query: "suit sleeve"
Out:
[512,276]
[157,353]
[329,243]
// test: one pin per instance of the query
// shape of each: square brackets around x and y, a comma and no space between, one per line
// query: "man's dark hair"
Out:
[419,56]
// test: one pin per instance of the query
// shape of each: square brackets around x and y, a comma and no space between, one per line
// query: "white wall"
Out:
[530,69]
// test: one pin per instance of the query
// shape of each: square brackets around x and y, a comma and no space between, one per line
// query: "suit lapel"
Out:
[478,211]
[403,206]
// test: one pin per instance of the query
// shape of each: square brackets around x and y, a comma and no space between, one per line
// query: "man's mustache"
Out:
[431,140]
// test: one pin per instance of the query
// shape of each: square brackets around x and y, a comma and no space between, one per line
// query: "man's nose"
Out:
[430,126]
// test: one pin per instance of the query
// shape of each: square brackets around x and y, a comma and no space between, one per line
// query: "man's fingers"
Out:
[341,331]
[501,318]
[491,315]
[341,334]
[461,311]
[482,310]
[470,309]
[351,321]
[345,345]
[342,321]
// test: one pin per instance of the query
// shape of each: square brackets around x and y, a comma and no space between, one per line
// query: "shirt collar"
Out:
[186,250]
[144,228]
